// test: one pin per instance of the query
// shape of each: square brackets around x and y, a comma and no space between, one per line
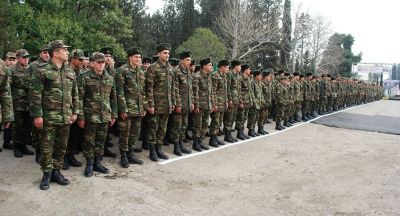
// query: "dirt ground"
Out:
[307,170]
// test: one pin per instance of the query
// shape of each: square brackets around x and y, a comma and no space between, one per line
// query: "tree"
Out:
[286,35]
[204,43]
[320,32]
[241,30]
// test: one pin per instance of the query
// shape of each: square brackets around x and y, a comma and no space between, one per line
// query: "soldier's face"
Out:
[23,60]
[186,62]
[61,54]
[44,55]
[10,62]
[85,63]
[259,77]
[163,55]
[136,59]
[224,69]
[99,66]
[146,65]
[108,58]
[77,62]
[208,67]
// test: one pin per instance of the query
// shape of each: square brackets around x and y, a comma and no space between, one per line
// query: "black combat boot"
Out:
[228,137]
[65,163]
[137,149]
[109,153]
[243,134]
[73,161]
[152,153]
[196,145]
[7,145]
[98,167]
[58,178]
[17,152]
[145,145]
[45,183]
[26,151]
[220,142]
[188,137]
[165,141]
[202,146]
[37,155]
[261,130]
[89,167]
[240,134]
[279,126]
[286,123]
[177,149]
[213,142]
[160,153]
[251,133]
[222,132]
[183,148]
[124,159]
[132,159]
[268,121]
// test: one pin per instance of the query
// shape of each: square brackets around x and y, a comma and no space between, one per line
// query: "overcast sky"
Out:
[373,24]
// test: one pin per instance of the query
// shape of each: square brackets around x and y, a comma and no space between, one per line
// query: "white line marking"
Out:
[251,139]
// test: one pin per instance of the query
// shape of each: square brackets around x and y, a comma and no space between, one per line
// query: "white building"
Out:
[366,70]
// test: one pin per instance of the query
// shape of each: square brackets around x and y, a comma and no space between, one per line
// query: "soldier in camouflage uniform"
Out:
[76,134]
[204,104]
[282,97]
[267,102]
[183,84]
[246,101]
[6,104]
[298,97]
[108,53]
[10,61]
[220,89]
[258,99]
[290,103]
[308,97]
[233,83]
[20,84]
[54,105]
[132,105]
[43,59]
[97,111]
[162,99]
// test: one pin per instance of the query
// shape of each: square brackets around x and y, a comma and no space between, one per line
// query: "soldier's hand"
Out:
[112,122]
[191,107]
[230,104]
[178,109]
[81,123]
[196,110]
[73,118]
[151,110]
[38,122]
[123,115]
[241,105]
[6,124]
[215,109]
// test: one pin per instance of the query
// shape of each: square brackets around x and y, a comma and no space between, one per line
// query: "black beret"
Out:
[205,61]
[266,73]
[295,74]
[328,75]
[163,46]
[235,63]
[333,78]
[223,63]
[287,74]
[245,67]
[106,50]
[185,54]
[146,60]
[281,71]
[256,73]
[134,51]
[155,58]
[174,61]
[309,74]
[301,76]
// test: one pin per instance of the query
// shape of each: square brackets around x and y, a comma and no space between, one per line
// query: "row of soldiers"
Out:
[79,102]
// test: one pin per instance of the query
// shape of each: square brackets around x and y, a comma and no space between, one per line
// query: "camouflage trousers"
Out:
[241,117]
[129,131]
[22,129]
[95,135]
[7,134]
[298,106]
[306,106]
[53,144]
[200,123]
[279,112]
[230,117]
[252,117]
[180,124]
[215,122]
[262,116]
[75,139]
[157,128]
[289,110]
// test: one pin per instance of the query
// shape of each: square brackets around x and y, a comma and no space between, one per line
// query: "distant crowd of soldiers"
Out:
[64,103]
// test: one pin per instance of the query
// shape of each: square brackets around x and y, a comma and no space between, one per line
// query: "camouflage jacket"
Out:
[233,83]
[6,104]
[97,97]
[267,93]
[282,94]
[258,94]
[298,96]
[203,97]
[131,97]
[54,94]
[290,88]
[34,65]
[308,90]
[20,83]
[160,88]
[183,84]
[220,88]
[246,92]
